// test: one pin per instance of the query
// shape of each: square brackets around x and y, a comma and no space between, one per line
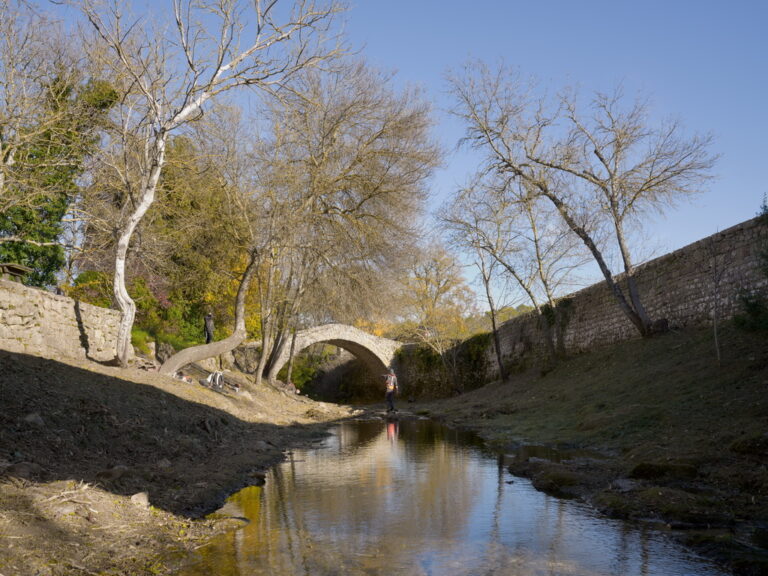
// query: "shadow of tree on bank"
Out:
[61,422]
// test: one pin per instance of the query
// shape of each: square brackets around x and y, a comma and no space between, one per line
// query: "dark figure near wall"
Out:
[208,328]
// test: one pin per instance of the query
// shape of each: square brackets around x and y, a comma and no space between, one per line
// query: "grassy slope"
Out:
[687,439]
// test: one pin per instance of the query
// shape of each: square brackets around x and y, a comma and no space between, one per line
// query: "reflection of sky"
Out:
[410,502]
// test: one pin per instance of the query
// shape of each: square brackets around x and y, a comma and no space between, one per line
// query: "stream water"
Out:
[416,498]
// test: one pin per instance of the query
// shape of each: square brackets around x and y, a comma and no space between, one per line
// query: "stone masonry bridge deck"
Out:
[376,353]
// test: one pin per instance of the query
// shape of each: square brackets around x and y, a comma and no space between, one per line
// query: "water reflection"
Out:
[415,498]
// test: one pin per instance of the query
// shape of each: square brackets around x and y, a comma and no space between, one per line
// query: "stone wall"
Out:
[33,321]
[679,287]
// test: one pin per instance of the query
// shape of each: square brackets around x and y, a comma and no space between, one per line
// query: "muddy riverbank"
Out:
[110,471]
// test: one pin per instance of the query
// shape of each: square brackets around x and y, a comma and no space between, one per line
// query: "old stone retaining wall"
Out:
[33,321]
[682,287]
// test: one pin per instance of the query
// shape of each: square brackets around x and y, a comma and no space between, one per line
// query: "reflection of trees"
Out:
[416,502]
[225,555]
[416,489]
[403,490]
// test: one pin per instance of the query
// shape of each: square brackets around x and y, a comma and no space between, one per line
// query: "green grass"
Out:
[641,396]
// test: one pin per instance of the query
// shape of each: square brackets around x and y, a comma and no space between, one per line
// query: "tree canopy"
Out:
[278,182]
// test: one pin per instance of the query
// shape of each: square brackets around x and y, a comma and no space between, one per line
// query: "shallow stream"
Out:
[416,498]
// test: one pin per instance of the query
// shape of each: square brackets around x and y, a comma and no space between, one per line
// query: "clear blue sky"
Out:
[703,62]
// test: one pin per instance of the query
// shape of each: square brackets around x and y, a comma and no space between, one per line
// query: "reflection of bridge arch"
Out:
[376,353]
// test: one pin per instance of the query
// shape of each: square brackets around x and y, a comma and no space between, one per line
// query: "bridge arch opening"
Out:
[374,354]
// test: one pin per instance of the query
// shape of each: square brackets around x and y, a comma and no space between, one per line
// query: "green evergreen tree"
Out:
[46,172]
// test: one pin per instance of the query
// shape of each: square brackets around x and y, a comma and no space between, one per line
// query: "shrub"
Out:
[92,287]
[140,340]
[755,304]
[755,312]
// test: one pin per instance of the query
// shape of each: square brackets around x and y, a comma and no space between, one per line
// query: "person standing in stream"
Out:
[391,384]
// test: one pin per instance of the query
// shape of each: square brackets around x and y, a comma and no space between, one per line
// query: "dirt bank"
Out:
[109,471]
[681,441]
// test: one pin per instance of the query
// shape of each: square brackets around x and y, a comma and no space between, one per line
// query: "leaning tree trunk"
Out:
[497,346]
[198,353]
[279,340]
[266,346]
[639,323]
[124,349]
[291,356]
[125,303]
[276,351]
[494,326]
[634,293]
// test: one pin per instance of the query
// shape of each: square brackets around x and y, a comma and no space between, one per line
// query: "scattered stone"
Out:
[164,351]
[26,470]
[65,509]
[145,364]
[164,463]
[623,485]
[140,499]
[259,478]
[246,358]
[35,419]
[112,474]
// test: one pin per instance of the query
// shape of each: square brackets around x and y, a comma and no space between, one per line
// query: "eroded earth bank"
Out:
[112,471]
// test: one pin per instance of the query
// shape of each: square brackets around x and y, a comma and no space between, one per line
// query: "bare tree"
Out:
[346,165]
[436,303]
[499,218]
[167,79]
[477,227]
[602,169]
[327,197]
[487,267]
[249,224]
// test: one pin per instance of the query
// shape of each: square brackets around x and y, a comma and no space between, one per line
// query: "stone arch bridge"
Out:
[376,353]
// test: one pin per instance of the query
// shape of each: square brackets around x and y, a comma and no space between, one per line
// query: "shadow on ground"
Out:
[62,422]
